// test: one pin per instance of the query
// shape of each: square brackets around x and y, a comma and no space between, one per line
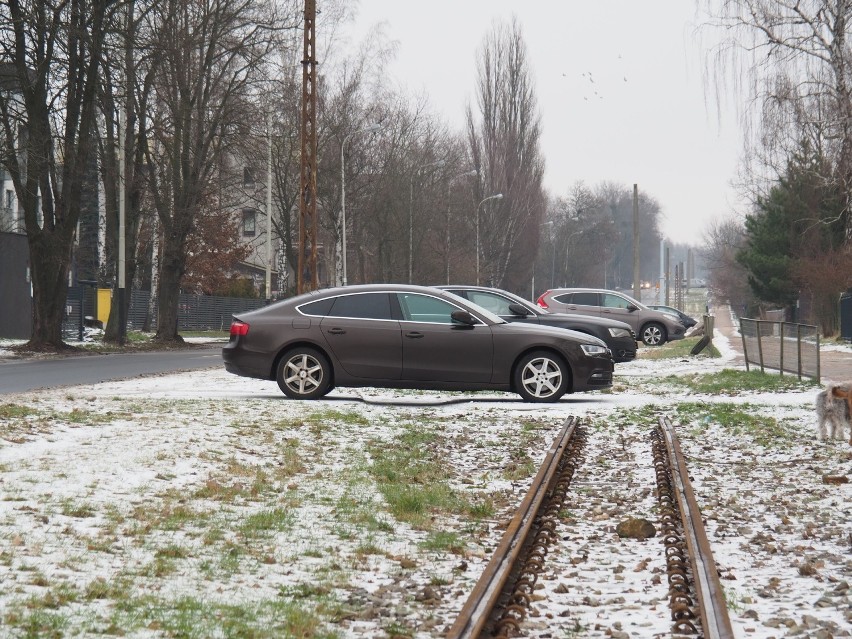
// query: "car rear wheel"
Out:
[304,373]
[541,377]
[653,334]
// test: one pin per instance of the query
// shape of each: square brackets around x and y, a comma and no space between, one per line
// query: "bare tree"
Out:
[53,49]
[211,54]
[130,67]
[727,278]
[504,144]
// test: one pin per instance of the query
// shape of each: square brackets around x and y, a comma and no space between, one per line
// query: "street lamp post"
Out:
[449,183]
[411,216]
[496,196]
[372,127]
[268,281]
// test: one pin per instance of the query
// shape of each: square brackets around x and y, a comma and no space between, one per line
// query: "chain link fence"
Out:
[782,346]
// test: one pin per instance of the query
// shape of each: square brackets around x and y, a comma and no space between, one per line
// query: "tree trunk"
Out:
[171,273]
[50,260]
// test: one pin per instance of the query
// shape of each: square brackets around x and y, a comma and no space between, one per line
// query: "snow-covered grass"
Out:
[207,505]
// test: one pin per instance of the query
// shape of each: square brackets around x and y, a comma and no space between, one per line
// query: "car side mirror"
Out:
[519,309]
[463,317]
[632,307]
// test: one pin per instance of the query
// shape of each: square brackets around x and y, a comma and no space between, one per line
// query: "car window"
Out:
[615,301]
[319,308]
[362,306]
[425,308]
[565,298]
[495,303]
[584,298]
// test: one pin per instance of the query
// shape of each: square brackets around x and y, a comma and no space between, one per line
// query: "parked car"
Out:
[398,336]
[685,319]
[652,327]
[618,336]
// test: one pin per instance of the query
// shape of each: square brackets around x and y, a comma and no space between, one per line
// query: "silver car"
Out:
[652,327]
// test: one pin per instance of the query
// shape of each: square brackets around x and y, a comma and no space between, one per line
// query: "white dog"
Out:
[832,406]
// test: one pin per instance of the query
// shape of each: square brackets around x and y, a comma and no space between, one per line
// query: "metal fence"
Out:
[195,312]
[782,346]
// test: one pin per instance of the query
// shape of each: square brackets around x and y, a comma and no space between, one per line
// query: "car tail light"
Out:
[540,301]
[239,328]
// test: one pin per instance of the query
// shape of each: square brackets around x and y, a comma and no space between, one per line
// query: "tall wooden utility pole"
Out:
[307,278]
[637,286]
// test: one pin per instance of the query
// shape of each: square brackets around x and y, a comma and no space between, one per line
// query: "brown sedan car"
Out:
[397,336]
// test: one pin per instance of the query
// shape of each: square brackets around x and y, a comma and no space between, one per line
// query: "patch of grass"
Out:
[413,477]
[16,411]
[169,515]
[396,629]
[160,567]
[739,420]
[443,541]
[520,465]
[361,511]
[260,523]
[731,382]
[415,503]
[101,588]
[368,547]
[304,591]
[677,349]
[36,623]
[349,418]
[482,509]
[172,551]
[191,618]
[77,509]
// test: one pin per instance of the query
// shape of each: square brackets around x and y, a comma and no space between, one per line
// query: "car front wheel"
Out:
[304,373]
[541,377]
[653,334]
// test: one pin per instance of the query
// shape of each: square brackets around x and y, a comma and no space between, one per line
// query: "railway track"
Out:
[500,602]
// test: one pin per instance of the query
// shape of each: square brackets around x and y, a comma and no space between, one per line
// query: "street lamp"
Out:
[449,183]
[411,216]
[496,196]
[367,129]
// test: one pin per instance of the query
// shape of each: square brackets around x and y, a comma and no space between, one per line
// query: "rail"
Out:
[520,537]
[684,531]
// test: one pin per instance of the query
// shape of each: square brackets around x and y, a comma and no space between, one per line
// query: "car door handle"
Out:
[414,335]
[336,331]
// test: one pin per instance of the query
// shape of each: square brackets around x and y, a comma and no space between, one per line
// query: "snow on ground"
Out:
[207,505]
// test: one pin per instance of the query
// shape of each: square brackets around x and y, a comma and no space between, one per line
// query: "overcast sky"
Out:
[620,85]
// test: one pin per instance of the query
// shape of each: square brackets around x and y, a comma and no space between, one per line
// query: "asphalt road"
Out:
[22,375]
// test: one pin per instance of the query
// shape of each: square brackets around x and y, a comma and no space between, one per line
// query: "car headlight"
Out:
[619,332]
[594,349]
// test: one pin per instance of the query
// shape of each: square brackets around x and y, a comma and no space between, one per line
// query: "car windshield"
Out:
[482,312]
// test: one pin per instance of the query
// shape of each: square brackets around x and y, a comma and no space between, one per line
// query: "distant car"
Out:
[685,319]
[652,327]
[618,336]
[397,336]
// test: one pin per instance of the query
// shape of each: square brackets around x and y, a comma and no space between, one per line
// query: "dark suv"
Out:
[618,336]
